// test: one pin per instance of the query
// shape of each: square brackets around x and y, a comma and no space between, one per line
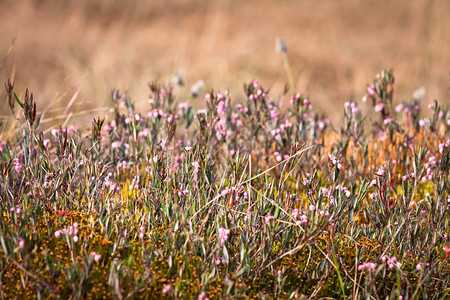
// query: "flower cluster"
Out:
[72,231]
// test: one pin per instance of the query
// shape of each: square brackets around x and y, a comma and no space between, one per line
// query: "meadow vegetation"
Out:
[254,199]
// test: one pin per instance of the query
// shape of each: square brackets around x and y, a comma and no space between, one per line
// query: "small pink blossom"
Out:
[202,296]
[367,265]
[144,133]
[166,288]
[223,235]
[267,218]
[387,121]
[381,171]
[379,107]
[371,90]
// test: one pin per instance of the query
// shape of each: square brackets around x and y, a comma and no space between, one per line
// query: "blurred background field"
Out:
[81,50]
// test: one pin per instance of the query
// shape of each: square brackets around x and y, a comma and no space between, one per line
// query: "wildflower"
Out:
[144,133]
[381,171]
[116,145]
[371,90]
[166,289]
[97,257]
[387,121]
[21,243]
[223,235]
[267,218]
[312,208]
[221,108]
[367,265]
[325,191]
[277,156]
[379,107]
[399,108]
[202,296]
[15,209]
[17,165]
[141,234]
[274,115]
[446,250]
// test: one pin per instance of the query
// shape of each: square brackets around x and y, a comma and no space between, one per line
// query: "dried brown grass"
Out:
[335,47]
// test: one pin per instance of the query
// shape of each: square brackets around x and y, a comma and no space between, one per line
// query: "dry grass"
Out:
[335,47]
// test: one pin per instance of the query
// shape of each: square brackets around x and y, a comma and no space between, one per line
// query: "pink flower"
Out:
[21,243]
[223,235]
[166,289]
[97,257]
[371,90]
[312,208]
[221,108]
[274,115]
[267,218]
[17,165]
[387,121]
[116,145]
[381,171]
[247,216]
[379,107]
[446,250]
[144,133]
[202,296]
[367,265]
